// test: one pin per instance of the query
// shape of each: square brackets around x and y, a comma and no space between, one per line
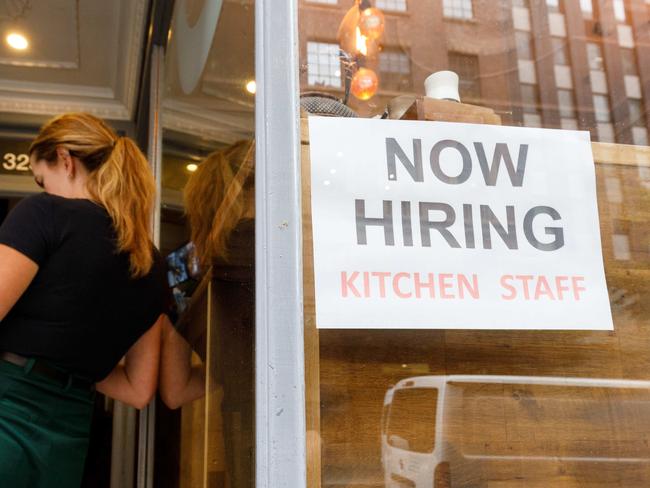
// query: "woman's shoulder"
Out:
[37,200]
[34,207]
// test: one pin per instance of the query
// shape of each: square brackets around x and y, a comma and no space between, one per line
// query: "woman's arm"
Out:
[134,380]
[17,272]
[180,381]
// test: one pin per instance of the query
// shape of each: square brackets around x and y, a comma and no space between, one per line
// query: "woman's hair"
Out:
[216,200]
[119,178]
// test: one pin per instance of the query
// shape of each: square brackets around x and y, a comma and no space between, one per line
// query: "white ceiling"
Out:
[83,55]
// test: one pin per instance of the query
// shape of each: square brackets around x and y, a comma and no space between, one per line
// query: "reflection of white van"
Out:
[516,431]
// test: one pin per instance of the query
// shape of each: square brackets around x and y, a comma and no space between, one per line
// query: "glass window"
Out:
[637,112]
[467,68]
[524,44]
[324,67]
[595,57]
[553,5]
[412,419]
[565,101]
[601,108]
[619,10]
[395,70]
[457,9]
[414,407]
[530,98]
[628,58]
[392,5]
[207,236]
[568,124]
[560,51]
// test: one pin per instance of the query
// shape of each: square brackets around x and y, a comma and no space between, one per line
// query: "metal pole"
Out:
[147,419]
[123,446]
[280,383]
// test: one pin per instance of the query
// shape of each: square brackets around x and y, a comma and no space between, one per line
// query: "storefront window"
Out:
[207,237]
[406,407]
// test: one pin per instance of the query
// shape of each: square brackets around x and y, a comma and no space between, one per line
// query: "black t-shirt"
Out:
[82,311]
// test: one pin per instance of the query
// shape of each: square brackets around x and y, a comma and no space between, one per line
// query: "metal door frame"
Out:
[280,366]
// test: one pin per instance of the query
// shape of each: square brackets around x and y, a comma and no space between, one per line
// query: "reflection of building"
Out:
[575,64]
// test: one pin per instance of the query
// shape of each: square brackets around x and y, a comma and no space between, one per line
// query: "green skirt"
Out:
[44,429]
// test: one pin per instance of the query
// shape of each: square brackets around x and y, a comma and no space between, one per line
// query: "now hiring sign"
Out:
[447,225]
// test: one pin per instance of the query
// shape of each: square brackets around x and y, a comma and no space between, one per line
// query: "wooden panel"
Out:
[312,367]
[215,453]
[192,450]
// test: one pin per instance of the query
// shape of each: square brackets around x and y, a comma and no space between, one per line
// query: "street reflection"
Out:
[476,430]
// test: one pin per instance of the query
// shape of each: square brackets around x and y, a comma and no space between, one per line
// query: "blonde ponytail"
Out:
[119,178]
[215,199]
[125,186]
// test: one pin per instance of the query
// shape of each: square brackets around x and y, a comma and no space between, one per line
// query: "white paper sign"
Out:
[454,226]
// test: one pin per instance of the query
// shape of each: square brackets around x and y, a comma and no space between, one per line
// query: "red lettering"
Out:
[396,289]
[524,281]
[511,289]
[576,288]
[444,285]
[559,287]
[542,288]
[366,284]
[347,284]
[428,284]
[382,275]
[463,284]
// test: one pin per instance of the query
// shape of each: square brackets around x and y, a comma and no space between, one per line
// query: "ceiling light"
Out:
[192,167]
[251,87]
[17,41]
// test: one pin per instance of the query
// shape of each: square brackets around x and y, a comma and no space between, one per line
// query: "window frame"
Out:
[280,433]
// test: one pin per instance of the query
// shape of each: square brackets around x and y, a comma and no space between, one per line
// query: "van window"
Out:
[412,419]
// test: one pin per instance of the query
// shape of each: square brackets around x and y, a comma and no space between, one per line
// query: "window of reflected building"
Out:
[392,5]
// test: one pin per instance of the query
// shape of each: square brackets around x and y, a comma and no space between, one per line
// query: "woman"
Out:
[220,205]
[82,287]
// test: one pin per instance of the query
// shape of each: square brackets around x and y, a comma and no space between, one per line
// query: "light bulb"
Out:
[17,41]
[371,23]
[362,42]
[192,167]
[364,84]
[251,87]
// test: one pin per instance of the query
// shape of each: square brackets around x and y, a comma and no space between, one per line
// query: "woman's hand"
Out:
[134,380]
[180,381]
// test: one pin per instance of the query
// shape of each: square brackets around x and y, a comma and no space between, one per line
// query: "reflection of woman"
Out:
[219,202]
[81,286]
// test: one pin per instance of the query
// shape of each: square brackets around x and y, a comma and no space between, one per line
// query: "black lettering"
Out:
[393,149]
[426,225]
[488,218]
[407,231]
[435,162]
[556,232]
[491,173]
[362,222]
